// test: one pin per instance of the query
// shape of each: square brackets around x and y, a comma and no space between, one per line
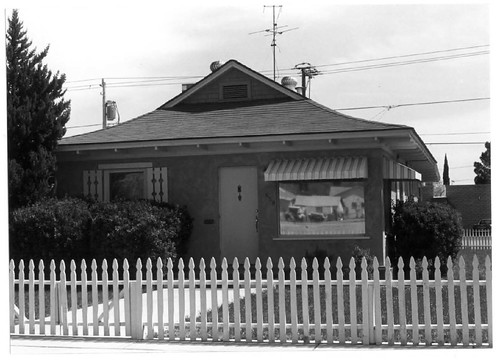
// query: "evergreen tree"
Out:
[446,172]
[36,117]
[483,169]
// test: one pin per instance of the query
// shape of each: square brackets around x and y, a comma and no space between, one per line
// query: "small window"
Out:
[127,185]
[128,181]
[322,208]
[236,91]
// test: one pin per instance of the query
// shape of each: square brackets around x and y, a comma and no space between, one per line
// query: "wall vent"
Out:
[236,91]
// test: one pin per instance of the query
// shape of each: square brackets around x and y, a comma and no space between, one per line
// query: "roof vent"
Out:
[215,65]
[235,91]
[289,82]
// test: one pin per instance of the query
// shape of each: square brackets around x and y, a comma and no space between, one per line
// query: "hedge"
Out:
[74,229]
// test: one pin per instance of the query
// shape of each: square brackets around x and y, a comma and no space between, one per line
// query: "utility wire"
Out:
[402,56]
[455,143]
[413,104]
[464,133]
[366,67]
[401,63]
[84,126]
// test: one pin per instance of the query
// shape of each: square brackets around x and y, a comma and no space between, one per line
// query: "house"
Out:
[245,154]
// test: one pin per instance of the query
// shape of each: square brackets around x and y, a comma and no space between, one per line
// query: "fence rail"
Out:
[296,304]
[476,239]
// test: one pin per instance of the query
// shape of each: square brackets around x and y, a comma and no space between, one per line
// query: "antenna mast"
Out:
[274,31]
[103,84]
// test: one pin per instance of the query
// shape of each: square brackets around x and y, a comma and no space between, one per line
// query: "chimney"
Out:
[186,86]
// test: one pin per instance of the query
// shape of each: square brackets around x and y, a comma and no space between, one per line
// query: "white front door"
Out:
[238,213]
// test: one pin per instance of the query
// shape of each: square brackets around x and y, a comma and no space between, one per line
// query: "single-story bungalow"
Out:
[246,155]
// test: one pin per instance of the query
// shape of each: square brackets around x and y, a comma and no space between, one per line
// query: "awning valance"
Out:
[317,168]
[398,171]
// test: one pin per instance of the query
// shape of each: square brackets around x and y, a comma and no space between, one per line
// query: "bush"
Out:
[74,229]
[425,229]
[181,221]
[134,230]
[49,229]
[358,254]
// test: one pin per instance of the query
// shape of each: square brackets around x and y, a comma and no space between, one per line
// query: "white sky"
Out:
[146,40]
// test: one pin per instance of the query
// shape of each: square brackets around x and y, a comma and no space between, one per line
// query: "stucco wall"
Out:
[193,181]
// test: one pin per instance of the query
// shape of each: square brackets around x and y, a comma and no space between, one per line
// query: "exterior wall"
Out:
[193,181]
[472,201]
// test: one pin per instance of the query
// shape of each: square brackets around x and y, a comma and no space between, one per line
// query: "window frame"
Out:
[113,168]
[280,236]
[107,182]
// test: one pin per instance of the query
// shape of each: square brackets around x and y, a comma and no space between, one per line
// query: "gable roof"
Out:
[219,73]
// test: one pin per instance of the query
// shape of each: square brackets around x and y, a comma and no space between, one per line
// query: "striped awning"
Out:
[397,171]
[317,168]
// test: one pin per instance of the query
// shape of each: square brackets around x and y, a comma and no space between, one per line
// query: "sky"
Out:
[131,46]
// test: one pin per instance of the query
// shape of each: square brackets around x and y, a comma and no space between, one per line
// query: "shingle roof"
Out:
[258,118]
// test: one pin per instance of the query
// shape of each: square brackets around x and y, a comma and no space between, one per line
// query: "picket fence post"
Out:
[136,304]
[159,288]
[489,297]
[12,315]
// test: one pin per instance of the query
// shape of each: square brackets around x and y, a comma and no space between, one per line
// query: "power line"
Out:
[464,133]
[333,71]
[404,56]
[413,104]
[81,80]
[401,63]
[456,143]
[83,126]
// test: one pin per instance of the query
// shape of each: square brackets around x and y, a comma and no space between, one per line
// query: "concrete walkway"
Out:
[121,308]
[186,312]
[94,345]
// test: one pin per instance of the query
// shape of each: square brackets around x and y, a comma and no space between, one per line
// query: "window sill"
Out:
[321,238]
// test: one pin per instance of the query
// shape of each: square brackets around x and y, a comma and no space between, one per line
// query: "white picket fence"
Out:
[330,307]
[476,239]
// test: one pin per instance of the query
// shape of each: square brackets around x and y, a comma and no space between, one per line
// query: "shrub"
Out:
[75,229]
[134,230]
[358,254]
[425,229]
[179,219]
[49,229]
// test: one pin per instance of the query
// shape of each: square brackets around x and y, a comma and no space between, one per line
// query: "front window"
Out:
[322,208]
[127,185]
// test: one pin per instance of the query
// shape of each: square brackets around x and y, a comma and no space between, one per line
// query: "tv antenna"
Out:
[275,30]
